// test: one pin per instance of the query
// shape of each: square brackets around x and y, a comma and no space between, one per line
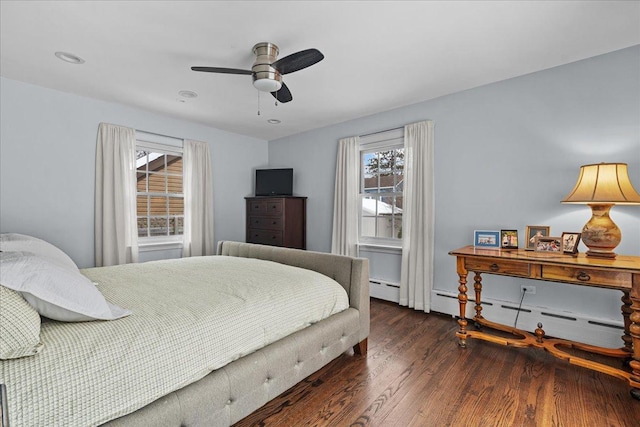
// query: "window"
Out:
[160,195]
[381,186]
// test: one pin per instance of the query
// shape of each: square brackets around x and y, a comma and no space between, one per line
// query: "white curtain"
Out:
[116,230]
[198,199]
[416,277]
[346,199]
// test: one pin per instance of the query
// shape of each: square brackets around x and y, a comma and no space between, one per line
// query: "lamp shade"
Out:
[606,183]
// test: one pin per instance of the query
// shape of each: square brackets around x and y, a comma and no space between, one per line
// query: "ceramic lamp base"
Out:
[601,235]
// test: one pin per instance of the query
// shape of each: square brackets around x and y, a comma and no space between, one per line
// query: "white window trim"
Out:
[162,243]
[390,139]
[158,243]
[158,148]
[379,248]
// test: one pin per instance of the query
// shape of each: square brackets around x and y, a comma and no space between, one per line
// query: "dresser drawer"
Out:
[258,207]
[266,207]
[265,222]
[498,266]
[585,276]
[264,237]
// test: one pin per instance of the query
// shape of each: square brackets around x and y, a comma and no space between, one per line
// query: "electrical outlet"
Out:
[529,289]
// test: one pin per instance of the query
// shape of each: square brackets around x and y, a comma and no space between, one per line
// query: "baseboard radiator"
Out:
[384,289]
[577,327]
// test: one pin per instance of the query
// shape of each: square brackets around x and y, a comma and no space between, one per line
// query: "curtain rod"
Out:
[159,134]
[381,131]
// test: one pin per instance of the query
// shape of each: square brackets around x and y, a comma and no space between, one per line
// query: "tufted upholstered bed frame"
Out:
[231,393]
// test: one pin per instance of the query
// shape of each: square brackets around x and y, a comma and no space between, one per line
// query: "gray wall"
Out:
[47,165]
[505,155]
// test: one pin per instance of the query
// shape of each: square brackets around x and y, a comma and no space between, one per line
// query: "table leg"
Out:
[462,299]
[634,331]
[626,312]
[477,286]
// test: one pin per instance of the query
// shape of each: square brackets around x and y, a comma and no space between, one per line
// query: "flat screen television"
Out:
[274,182]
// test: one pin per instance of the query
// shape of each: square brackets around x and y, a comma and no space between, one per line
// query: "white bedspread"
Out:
[190,316]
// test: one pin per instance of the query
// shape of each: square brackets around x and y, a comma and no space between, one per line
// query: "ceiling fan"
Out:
[267,70]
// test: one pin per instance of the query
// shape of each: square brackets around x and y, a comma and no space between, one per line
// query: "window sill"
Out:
[159,245]
[379,247]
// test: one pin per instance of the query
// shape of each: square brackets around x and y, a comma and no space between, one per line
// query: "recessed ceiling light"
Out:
[69,57]
[273,121]
[188,94]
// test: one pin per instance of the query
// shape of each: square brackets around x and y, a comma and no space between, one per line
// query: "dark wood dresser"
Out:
[277,221]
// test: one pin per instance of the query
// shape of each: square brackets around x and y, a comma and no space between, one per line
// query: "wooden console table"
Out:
[621,273]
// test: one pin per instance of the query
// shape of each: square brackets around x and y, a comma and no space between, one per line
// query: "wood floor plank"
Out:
[415,374]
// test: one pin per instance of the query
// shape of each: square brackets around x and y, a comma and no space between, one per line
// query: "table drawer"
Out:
[265,222]
[585,276]
[264,237]
[510,268]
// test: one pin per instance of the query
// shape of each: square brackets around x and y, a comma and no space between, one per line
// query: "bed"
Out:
[227,387]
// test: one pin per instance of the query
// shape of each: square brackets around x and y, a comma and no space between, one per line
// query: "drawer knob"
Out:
[273,237]
[583,277]
[494,267]
[274,223]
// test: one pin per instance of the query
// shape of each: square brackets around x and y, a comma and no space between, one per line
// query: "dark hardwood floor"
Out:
[415,374]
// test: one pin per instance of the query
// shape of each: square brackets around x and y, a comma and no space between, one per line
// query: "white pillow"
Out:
[14,242]
[55,291]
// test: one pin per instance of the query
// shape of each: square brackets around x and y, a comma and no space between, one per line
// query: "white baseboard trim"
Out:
[567,325]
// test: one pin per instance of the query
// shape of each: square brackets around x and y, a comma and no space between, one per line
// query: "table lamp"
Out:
[601,186]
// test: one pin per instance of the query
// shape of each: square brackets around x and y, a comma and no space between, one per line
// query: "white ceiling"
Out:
[379,55]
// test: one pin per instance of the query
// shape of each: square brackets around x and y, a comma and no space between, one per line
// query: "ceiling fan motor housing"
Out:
[265,77]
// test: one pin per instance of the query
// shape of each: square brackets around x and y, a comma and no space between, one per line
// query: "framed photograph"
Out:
[570,242]
[509,239]
[533,231]
[486,239]
[548,244]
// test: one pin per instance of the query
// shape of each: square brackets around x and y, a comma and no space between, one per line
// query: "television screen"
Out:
[274,182]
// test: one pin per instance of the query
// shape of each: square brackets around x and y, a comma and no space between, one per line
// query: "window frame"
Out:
[381,141]
[166,241]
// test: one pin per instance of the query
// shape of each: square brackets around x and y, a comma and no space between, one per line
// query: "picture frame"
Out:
[488,239]
[570,241]
[509,239]
[548,244]
[531,232]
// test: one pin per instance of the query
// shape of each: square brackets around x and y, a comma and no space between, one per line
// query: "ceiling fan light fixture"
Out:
[267,85]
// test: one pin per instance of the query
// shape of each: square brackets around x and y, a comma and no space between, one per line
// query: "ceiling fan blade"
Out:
[222,70]
[283,95]
[298,61]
